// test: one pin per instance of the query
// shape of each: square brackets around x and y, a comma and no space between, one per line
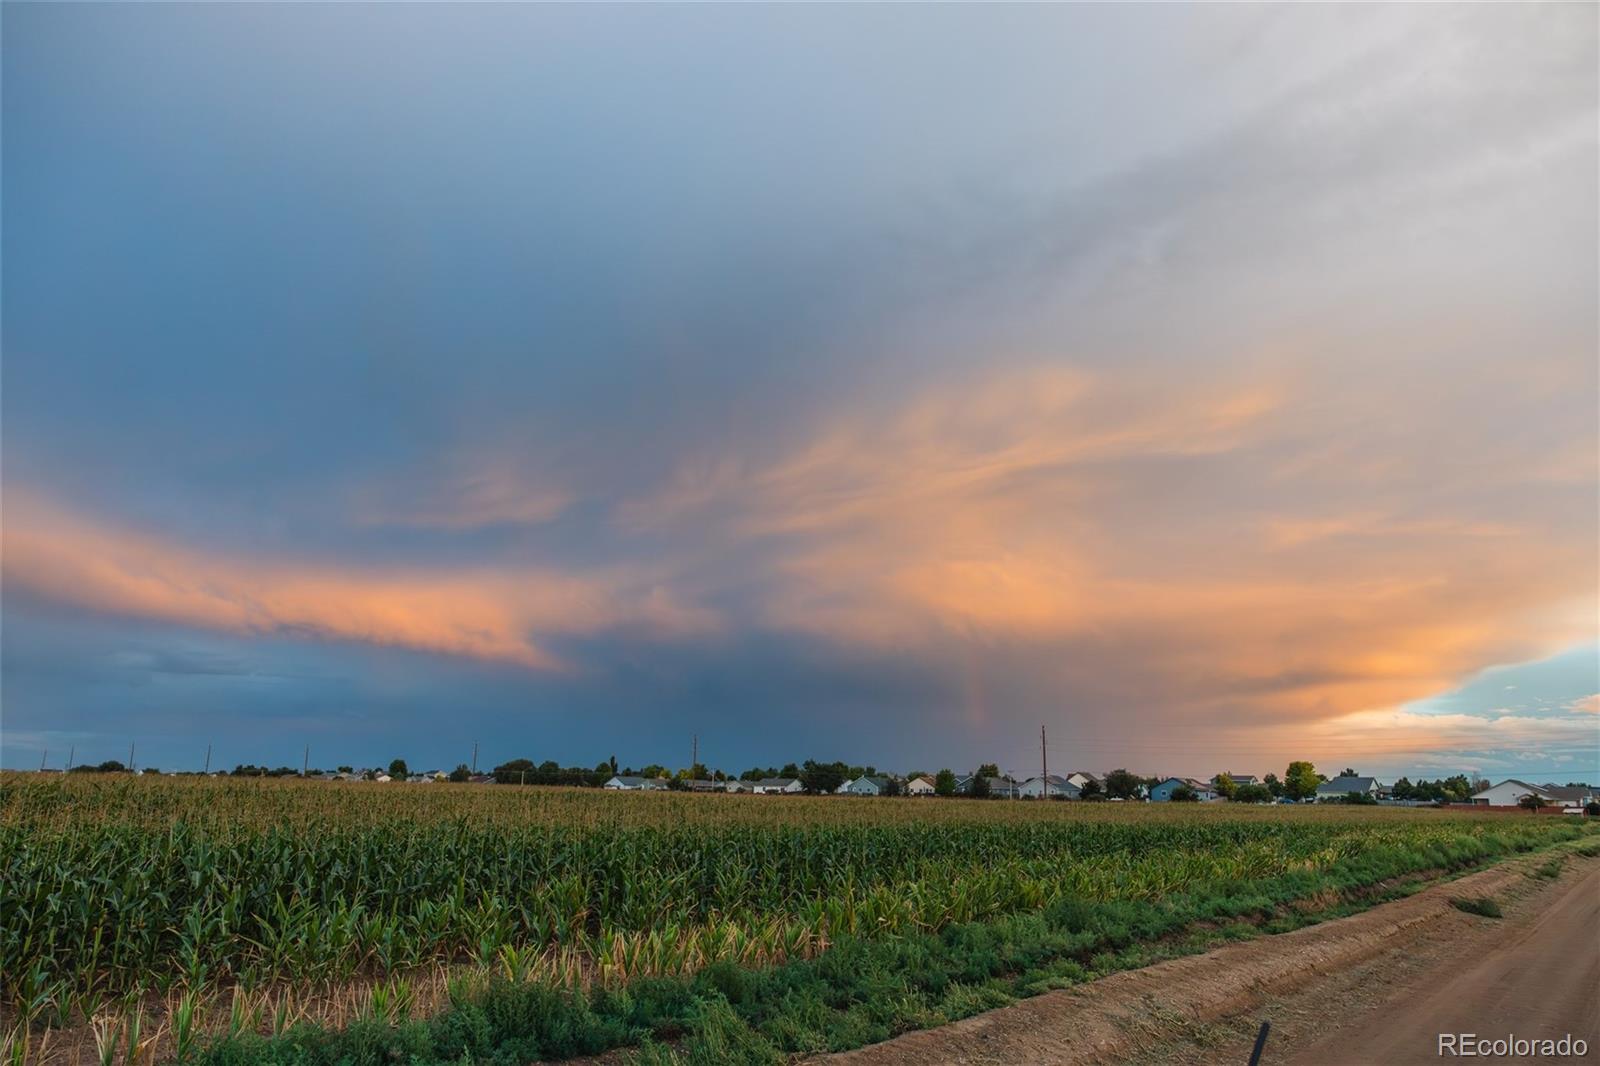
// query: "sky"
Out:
[1212,385]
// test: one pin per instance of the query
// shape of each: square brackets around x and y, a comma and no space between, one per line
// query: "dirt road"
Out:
[1542,980]
[1377,987]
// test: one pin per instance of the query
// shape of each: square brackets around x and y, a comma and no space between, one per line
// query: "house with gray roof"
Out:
[1000,787]
[1338,788]
[1162,793]
[634,783]
[1058,788]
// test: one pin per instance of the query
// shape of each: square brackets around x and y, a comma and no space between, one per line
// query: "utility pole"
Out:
[306,761]
[474,758]
[71,751]
[1044,764]
[694,753]
[42,758]
[208,759]
[130,756]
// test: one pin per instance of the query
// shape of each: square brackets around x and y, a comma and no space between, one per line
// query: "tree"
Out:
[698,772]
[613,765]
[346,770]
[397,768]
[819,778]
[1300,781]
[1592,808]
[1252,794]
[1403,789]
[1347,772]
[979,789]
[1091,790]
[514,772]
[891,787]
[1120,784]
[653,770]
[1185,794]
[460,773]
[1225,786]
[789,770]
[1532,802]
[989,769]
[1274,786]
[944,783]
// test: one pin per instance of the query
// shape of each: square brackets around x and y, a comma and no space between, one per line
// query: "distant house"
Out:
[1081,778]
[1058,787]
[844,786]
[383,777]
[869,786]
[736,786]
[919,786]
[706,786]
[634,783]
[1238,779]
[1573,795]
[481,779]
[778,786]
[1337,788]
[1510,793]
[1162,793]
[999,787]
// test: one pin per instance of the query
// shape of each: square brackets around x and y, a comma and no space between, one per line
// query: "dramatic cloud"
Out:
[483,614]
[1210,384]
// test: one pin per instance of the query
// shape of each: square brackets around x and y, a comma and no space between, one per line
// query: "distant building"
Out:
[778,786]
[869,786]
[634,783]
[736,786]
[1081,778]
[1057,787]
[844,786]
[1337,788]
[919,786]
[999,787]
[1238,779]
[1162,793]
[706,786]
[1511,793]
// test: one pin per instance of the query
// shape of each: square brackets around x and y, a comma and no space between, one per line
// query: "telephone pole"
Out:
[306,761]
[73,750]
[474,758]
[42,759]
[694,753]
[130,756]
[208,759]
[1044,764]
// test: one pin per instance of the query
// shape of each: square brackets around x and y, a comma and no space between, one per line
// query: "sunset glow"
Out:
[907,398]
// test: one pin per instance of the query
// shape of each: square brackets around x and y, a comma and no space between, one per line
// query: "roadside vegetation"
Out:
[249,920]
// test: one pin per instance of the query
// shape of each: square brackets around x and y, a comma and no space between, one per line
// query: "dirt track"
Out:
[1373,988]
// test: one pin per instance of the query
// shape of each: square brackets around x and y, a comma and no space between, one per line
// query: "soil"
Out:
[1377,987]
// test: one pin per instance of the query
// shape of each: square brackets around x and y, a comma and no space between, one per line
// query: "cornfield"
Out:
[120,891]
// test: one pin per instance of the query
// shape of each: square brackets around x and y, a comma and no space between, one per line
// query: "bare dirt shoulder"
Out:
[1374,987]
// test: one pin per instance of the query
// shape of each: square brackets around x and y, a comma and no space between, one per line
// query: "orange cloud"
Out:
[1201,537]
[485,614]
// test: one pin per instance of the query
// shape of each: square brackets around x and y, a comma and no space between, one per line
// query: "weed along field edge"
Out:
[244,921]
